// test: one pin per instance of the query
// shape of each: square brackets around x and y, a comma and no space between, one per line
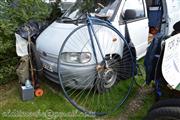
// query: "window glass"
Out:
[137,6]
[78,10]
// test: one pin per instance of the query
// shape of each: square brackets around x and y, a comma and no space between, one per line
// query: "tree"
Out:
[14,13]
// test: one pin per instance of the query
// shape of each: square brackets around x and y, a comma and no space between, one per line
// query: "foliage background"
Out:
[14,13]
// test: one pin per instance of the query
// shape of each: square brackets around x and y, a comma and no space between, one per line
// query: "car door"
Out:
[137,25]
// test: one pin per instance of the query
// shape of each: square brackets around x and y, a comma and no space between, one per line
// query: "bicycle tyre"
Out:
[98,108]
[164,113]
[166,103]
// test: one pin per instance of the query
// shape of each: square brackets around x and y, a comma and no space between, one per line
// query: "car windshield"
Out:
[100,7]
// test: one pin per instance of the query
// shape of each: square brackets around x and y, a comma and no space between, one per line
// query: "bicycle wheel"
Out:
[172,102]
[164,113]
[91,81]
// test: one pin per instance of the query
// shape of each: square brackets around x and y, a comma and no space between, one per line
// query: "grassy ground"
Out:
[53,105]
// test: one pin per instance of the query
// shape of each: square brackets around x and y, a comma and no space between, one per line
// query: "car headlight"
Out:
[76,57]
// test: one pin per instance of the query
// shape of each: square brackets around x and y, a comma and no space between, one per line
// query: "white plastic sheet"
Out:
[21,46]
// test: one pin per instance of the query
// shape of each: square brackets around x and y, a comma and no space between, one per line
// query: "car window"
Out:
[137,6]
[77,11]
[109,8]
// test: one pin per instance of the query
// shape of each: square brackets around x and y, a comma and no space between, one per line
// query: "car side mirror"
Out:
[129,14]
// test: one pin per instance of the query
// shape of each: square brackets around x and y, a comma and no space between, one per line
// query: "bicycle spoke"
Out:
[103,83]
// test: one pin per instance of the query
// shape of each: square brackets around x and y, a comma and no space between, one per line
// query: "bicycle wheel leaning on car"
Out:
[90,69]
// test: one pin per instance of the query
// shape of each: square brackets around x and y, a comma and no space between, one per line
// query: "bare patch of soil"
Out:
[136,104]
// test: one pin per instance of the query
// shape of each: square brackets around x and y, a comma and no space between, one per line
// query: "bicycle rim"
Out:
[96,88]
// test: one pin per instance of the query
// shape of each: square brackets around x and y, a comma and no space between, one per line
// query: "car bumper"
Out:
[73,76]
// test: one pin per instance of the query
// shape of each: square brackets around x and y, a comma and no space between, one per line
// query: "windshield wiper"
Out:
[69,20]
[66,18]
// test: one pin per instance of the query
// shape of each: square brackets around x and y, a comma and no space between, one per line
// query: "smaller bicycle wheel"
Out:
[95,79]
[164,113]
[173,102]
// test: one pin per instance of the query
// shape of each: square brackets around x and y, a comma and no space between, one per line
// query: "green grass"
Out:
[53,105]
[44,107]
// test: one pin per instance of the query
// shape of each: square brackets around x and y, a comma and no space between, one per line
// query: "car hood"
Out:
[52,38]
